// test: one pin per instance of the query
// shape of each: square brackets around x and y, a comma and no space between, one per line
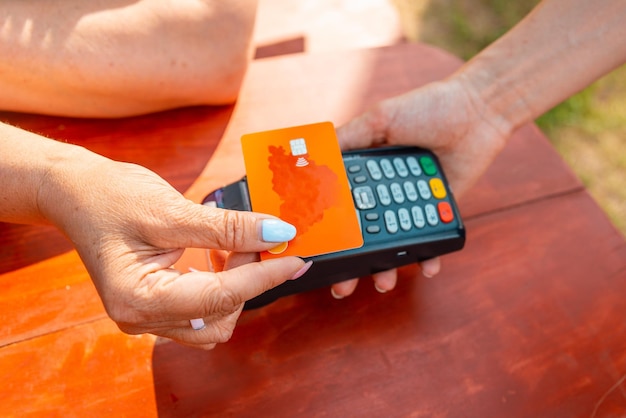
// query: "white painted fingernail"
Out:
[197,324]
[335,295]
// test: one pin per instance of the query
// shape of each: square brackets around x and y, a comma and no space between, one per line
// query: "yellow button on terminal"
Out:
[438,189]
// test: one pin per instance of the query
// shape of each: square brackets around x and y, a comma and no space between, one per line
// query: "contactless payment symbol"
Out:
[298,149]
[297,174]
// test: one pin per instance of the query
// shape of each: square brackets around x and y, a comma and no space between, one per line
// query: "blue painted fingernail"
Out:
[275,230]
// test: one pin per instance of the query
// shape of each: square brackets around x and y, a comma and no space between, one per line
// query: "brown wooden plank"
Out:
[46,297]
[524,322]
[175,144]
[89,370]
[527,169]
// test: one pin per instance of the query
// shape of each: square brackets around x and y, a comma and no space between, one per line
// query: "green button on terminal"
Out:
[428,165]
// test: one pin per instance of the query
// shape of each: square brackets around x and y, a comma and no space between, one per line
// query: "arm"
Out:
[558,49]
[101,58]
[129,227]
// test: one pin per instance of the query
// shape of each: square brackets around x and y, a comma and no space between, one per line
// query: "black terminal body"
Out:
[406,211]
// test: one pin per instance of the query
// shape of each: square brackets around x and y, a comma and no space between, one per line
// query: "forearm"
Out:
[92,58]
[558,49]
[27,163]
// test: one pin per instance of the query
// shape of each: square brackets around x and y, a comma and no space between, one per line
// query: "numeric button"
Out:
[409,191]
[383,195]
[396,192]
[405,219]
[387,168]
[391,221]
[431,215]
[400,166]
[424,190]
[418,217]
[374,169]
[414,166]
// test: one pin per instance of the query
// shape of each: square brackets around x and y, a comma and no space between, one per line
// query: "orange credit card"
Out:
[298,175]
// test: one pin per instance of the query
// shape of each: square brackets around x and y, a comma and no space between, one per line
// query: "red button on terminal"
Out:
[445,212]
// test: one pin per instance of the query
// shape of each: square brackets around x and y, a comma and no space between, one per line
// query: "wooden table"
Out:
[527,321]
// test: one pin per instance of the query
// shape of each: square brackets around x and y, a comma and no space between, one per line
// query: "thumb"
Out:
[366,130]
[198,226]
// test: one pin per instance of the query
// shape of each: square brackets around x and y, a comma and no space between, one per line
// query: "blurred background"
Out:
[588,130]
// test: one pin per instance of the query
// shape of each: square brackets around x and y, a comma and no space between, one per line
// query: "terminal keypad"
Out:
[399,194]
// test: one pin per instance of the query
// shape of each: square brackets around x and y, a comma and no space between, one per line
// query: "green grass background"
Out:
[588,130]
